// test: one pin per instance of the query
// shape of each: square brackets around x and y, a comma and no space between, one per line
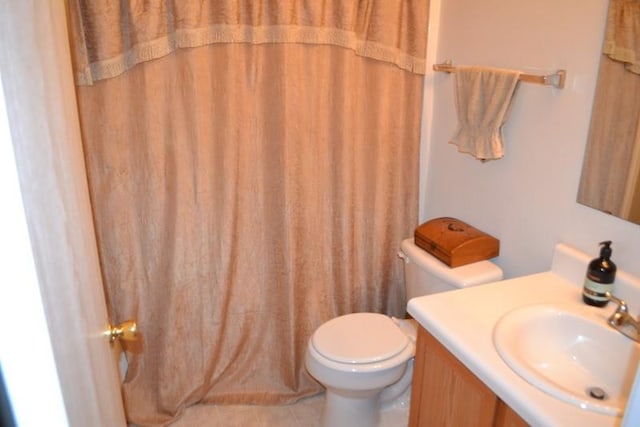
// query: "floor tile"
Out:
[238,416]
[308,411]
[394,418]
[304,413]
[276,416]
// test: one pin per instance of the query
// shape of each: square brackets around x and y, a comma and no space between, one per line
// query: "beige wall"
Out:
[527,199]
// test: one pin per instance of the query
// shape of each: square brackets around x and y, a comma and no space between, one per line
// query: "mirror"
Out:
[610,179]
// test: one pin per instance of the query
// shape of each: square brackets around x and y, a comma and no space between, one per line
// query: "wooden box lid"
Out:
[455,242]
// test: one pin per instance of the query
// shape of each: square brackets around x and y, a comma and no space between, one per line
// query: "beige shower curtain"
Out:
[244,193]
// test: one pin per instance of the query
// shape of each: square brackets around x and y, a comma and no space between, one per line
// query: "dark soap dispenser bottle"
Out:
[600,276]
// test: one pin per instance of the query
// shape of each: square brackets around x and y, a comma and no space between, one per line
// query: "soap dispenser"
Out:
[600,276]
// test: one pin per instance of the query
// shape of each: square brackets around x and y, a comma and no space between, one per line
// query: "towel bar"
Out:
[556,79]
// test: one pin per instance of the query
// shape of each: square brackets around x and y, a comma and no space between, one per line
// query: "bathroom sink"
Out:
[569,352]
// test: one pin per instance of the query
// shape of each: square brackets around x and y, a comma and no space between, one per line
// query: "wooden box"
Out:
[455,242]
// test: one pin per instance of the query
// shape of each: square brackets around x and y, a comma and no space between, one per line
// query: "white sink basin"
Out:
[569,352]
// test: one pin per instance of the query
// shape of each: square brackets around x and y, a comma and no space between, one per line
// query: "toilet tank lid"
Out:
[461,277]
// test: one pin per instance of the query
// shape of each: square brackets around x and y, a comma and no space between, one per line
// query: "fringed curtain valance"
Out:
[111,36]
[622,38]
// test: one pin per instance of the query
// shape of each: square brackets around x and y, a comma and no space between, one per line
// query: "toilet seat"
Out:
[359,338]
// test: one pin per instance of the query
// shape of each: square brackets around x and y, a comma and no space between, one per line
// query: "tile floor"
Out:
[305,413]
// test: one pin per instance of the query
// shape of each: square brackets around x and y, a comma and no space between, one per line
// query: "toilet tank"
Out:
[425,274]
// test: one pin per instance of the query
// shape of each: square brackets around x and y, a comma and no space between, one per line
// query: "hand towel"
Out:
[483,98]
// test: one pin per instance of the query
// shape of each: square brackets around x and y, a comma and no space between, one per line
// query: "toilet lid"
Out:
[359,338]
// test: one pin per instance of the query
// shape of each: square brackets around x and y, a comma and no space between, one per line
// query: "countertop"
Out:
[463,322]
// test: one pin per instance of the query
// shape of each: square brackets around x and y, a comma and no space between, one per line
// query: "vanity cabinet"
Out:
[447,393]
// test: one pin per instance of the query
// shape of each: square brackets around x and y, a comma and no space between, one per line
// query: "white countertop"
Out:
[463,322]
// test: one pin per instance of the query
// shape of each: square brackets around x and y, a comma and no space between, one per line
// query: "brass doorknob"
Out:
[126,331]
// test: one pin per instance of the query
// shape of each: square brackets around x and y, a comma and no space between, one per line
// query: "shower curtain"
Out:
[253,169]
[614,130]
[614,133]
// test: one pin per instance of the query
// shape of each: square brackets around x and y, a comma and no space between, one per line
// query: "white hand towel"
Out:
[483,97]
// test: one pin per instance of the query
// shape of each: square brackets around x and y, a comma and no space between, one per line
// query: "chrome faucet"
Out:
[622,321]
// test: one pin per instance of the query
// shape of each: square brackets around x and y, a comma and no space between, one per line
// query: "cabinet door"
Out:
[506,417]
[445,392]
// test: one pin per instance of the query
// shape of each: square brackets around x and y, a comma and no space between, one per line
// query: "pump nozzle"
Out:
[605,252]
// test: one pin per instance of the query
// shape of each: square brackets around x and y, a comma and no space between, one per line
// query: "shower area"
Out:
[253,168]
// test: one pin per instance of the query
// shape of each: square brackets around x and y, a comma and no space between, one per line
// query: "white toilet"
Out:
[365,360]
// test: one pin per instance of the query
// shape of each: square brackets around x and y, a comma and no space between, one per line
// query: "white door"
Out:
[42,114]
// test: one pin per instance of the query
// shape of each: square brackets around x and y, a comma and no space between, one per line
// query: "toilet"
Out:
[365,360]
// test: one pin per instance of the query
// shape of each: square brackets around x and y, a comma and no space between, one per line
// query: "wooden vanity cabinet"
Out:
[447,393]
